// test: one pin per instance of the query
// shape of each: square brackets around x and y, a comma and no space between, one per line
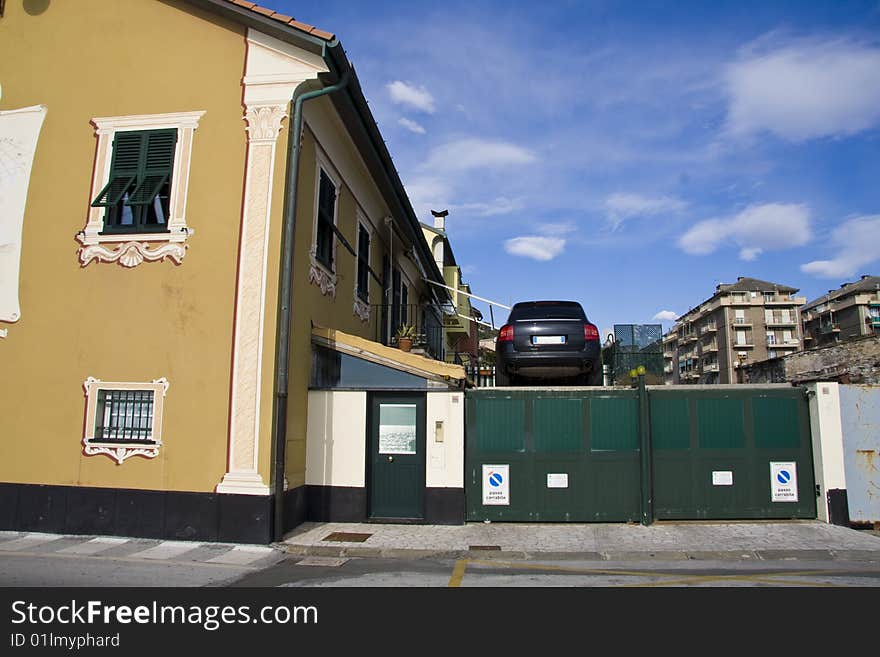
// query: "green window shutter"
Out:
[124,167]
[158,163]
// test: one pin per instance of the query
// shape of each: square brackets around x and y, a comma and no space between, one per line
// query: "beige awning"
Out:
[388,356]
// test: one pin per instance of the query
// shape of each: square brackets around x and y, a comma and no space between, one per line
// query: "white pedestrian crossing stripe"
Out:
[165,550]
[242,555]
[27,542]
[94,546]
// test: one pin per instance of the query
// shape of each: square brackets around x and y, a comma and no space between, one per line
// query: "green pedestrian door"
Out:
[396,467]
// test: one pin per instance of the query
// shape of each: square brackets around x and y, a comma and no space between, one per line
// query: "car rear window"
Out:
[547,310]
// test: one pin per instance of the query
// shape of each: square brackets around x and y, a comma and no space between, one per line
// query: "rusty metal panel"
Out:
[860,422]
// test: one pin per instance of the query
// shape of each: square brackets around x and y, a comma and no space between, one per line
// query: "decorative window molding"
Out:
[123,419]
[319,273]
[361,310]
[361,306]
[131,249]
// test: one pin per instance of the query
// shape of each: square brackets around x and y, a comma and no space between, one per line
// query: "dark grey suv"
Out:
[545,341]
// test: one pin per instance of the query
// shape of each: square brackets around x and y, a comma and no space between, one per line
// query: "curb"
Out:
[624,555]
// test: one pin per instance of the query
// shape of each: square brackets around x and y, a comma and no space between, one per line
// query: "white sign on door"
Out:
[783,481]
[496,485]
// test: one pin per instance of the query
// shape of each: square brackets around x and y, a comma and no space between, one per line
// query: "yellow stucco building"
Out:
[175,261]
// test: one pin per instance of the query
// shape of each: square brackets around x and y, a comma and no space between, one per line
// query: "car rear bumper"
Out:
[548,363]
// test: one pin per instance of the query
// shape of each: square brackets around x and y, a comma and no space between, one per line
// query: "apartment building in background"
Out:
[851,311]
[743,322]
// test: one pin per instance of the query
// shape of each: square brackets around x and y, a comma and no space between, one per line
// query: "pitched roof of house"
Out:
[864,284]
[283,18]
[747,284]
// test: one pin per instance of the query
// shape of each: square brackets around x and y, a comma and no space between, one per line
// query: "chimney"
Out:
[440,219]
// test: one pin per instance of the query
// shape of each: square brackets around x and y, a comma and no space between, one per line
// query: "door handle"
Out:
[391,459]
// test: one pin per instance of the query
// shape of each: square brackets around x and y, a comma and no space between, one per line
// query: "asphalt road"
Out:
[377,572]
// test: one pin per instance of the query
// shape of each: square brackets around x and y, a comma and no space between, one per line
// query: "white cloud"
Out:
[620,207]
[856,242]
[468,154]
[417,98]
[666,316]
[411,125]
[805,89]
[535,247]
[758,228]
[498,206]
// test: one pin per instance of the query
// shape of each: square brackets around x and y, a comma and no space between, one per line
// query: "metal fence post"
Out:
[645,453]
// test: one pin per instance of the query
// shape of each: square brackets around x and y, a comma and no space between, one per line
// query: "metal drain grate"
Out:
[347,537]
[484,547]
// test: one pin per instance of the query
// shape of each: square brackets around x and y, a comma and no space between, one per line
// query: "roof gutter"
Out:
[282,357]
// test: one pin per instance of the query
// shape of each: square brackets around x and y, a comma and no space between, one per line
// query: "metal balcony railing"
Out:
[386,319]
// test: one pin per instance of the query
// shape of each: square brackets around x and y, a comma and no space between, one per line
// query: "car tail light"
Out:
[506,334]
[591,333]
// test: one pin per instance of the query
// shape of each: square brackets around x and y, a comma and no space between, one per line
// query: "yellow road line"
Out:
[457,573]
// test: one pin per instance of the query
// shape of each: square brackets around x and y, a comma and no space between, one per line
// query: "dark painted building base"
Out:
[137,513]
[443,506]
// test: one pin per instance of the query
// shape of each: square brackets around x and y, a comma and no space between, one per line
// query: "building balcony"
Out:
[780,344]
[781,322]
[708,348]
[740,321]
[669,354]
[784,300]
[690,337]
[829,328]
[708,328]
[875,322]
[711,367]
[748,345]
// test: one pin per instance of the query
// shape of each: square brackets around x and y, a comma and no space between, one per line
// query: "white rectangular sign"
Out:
[496,485]
[557,480]
[783,481]
[722,478]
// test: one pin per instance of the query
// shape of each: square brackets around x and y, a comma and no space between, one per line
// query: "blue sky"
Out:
[630,155]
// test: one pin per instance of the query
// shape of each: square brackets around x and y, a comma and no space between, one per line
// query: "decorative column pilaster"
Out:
[242,476]
[273,71]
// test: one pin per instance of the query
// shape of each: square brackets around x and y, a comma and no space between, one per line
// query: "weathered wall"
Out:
[854,361]
[860,422]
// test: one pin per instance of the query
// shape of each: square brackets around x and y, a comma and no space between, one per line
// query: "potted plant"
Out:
[405,335]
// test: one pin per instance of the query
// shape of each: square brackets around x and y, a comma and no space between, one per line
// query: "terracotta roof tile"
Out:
[283,18]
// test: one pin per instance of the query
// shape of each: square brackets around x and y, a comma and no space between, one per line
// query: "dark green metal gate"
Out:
[713,447]
[584,454]
[591,436]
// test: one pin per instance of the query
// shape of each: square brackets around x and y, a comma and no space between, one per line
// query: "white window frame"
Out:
[361,308]
[128,249]
[319,274]
[116,451]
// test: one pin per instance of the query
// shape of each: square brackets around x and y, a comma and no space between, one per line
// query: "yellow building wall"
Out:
[308,303]
[94,58]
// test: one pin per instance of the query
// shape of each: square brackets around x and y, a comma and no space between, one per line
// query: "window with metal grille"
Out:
[363,268]
[124,416]
[137,195]
[326,220]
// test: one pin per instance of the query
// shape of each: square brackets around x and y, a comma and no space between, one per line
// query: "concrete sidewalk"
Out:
[763,540]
